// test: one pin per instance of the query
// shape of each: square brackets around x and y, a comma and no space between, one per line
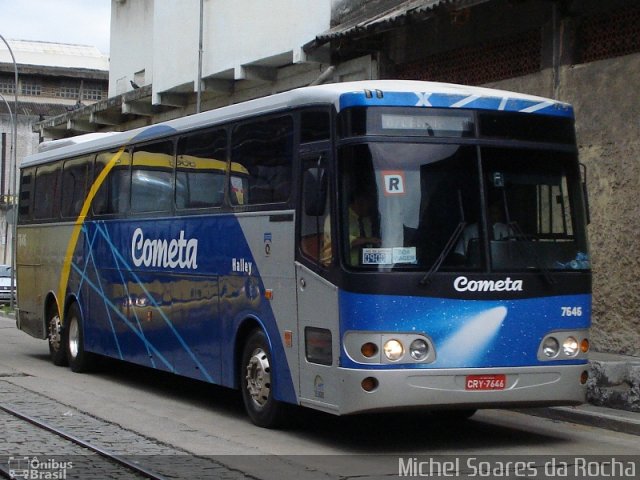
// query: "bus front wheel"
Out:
[256,376]
[79,360]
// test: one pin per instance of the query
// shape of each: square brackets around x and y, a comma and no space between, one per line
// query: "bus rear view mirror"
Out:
[315,191]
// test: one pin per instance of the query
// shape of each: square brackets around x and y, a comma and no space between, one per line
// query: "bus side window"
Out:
[113,195]
[152,177]
[201,169]
[264,150]
[75,175]
[47,192]
[26,194]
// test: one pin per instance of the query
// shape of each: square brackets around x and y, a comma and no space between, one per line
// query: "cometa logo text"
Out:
[177,253]
[463,284]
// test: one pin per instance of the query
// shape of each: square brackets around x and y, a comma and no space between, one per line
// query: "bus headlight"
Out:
[385,348]
[570,347]
[393,350]
[564,345]
[419,349]
[550,347]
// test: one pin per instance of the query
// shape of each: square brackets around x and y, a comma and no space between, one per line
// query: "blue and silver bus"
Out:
[356,247]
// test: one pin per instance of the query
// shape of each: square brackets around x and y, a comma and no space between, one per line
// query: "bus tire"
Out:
[79,360]
[256,382]
[56,340]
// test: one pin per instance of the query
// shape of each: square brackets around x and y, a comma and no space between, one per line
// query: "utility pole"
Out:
[200,35]
[14,168]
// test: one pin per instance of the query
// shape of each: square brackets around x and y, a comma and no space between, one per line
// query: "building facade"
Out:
[53,79]
[171,59]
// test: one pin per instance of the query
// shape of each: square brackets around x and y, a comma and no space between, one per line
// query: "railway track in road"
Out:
[18,466]
[41,436]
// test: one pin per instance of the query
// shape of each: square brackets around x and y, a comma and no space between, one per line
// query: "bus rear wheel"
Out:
[55,337]
[256,376]
[79,360]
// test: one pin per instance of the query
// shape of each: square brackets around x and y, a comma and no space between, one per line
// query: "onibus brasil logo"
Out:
[38,469]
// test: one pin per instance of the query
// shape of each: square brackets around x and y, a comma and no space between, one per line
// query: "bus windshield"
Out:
[405,205]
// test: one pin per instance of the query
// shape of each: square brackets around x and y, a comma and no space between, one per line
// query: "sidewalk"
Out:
[613,393]
[587,414]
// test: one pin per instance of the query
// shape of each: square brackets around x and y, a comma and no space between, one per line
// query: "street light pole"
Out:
[200,34]
[14,168]
[6,230]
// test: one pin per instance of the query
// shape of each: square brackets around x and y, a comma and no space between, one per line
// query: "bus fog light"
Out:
[419,349]
[393,350]
[570,347]
[584,377]
[550,347]
[369,384]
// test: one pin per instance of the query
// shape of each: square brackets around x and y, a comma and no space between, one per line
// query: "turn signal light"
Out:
[584,345]
[369,350]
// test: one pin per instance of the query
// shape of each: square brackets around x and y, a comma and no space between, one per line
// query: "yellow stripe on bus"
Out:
[77,228]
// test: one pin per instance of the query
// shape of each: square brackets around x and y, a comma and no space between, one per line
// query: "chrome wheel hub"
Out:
[74,338]
[259,377]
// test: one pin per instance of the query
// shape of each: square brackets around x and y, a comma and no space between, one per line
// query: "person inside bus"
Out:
[362,228]
[361,224]
[500,230]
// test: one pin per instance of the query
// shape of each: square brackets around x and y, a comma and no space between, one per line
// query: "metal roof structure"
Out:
[60,55]
[34,109]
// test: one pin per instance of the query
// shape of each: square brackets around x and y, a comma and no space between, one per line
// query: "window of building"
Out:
[139,77]
[93,91]
[608,35]
[68,92]
[264,149]
[7,85]
[480,62]
[30,88]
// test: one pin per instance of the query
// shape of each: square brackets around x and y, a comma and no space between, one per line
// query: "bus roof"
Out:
[407,93]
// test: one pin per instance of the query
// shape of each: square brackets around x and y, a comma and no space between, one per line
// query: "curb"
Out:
[591,415]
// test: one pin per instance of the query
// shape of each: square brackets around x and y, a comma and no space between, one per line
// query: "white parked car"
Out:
[6,289]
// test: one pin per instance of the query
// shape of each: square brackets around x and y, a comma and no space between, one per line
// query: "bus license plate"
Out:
[485,382]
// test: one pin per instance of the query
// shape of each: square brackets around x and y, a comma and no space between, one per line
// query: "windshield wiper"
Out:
[449,245]
[453,239]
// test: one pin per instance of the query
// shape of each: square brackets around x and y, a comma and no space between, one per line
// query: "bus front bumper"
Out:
[450,388]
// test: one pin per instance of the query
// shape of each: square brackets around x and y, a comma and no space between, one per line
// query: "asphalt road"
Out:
[205,420]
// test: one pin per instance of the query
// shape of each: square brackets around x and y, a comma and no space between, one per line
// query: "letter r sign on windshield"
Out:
[393,182]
